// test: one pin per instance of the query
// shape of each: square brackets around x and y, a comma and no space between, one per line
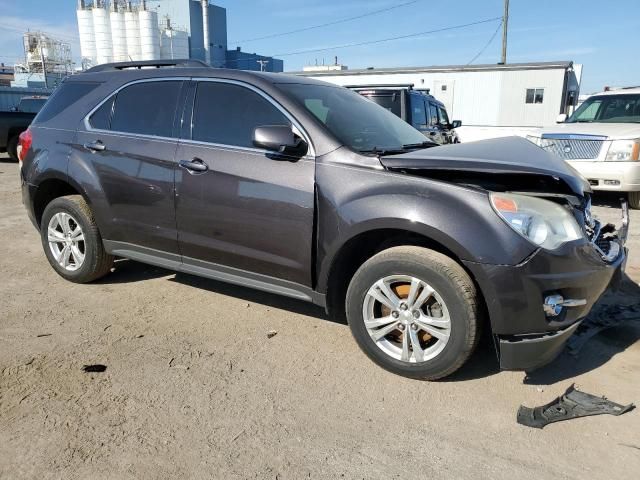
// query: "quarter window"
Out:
[228,114]
[147,108]
[101,118]
[534,95]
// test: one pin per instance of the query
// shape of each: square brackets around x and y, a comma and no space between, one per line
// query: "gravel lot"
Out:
[194,388]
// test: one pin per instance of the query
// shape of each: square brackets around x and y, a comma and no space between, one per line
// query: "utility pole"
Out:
[263,64]
[505,27]
[44,65]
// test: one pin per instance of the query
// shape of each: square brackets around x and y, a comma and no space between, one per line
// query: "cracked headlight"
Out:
[623,151]
[540,221]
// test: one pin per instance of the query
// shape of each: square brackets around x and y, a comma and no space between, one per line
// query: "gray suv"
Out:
[308,190]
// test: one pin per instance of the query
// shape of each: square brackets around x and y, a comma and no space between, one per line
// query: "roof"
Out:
[619,91]
[566,64]
[123,75]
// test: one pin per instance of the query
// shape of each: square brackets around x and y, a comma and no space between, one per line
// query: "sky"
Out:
[603,36]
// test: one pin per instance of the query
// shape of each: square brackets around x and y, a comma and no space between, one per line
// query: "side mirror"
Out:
[456,124]
[561,118]
[278,138]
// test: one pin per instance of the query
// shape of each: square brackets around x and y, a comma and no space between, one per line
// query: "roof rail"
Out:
[184,63]
[382,85]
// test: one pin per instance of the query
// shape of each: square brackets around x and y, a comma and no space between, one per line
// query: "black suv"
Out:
[417,107]
[308,190]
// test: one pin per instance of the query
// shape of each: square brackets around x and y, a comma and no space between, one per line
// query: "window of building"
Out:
[534,95]
[228,114]
[147,108]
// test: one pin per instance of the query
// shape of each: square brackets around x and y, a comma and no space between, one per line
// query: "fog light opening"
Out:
[553,305]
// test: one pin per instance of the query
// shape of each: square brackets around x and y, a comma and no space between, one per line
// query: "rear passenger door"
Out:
[247,208]
[129,143]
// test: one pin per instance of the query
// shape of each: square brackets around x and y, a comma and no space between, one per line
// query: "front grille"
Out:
[572,149]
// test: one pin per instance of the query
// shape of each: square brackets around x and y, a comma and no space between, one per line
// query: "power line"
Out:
[388,39]
[336,22]
[371,42]
[488,43]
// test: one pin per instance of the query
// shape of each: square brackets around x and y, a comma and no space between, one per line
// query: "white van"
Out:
[602,141]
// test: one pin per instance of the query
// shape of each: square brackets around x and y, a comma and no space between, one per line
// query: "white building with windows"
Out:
[490,100]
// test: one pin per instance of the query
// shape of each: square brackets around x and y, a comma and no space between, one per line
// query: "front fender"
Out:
[353,200]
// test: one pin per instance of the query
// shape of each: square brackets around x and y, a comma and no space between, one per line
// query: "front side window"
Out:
[147,108]
[534,95]
[443,118]
[608,109]
[227,114]
[355,121]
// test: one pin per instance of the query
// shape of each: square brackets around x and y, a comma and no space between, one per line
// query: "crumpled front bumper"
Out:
[525,336]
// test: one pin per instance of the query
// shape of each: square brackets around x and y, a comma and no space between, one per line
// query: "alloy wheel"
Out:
[66,241]
[406,318]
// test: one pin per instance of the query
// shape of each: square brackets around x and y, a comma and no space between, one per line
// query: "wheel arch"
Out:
[50,189]
[362,245]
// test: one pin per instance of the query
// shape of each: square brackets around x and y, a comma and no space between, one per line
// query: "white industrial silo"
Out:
[85,29]
[132,28]
[102,29]
[118,34]
[149,35]
[174,44]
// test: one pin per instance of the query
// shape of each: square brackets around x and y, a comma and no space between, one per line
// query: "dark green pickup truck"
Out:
[14,122]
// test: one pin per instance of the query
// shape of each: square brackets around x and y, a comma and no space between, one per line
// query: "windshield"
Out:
[608,109]
[357,122]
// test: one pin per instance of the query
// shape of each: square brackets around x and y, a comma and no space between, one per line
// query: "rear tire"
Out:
[440,335]
[12,148]
[634,200]
[72,241]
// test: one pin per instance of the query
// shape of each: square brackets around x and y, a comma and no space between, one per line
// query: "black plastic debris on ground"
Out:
[94,368]
[601,319]
[572,404]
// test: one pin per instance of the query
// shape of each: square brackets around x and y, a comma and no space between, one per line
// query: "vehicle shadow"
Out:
[607,199]
[129,271]
[256,296]
[4,158]
[612,327]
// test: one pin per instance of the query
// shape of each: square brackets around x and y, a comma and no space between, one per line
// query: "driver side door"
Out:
[239,206]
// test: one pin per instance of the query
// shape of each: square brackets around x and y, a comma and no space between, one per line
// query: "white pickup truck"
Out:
[602,141]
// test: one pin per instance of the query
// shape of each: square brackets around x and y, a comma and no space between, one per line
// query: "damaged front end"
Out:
[535,305]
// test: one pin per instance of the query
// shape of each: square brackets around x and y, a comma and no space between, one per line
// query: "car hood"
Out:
[613,131]
[509,155]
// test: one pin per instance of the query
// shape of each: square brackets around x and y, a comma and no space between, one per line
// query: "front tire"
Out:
[634,200]
[414,312]
[72,242]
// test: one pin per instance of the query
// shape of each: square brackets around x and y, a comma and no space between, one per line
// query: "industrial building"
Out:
[490,100]
[119,31]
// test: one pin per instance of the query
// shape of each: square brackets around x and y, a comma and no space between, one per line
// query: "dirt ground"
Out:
[194,388]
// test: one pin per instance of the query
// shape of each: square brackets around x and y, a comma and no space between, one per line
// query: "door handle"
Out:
[196,165]
[96,146]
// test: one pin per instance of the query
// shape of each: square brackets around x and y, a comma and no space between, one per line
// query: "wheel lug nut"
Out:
[403,306]
[414,326]
[395,314]
[416,314]
[401,328]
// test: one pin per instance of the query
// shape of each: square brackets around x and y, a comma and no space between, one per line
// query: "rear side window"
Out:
[227,114]
[146,108]
[433,114]
[418,113]
[65,95]
[101,118]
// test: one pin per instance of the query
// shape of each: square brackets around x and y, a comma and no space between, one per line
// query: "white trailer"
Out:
[490,100]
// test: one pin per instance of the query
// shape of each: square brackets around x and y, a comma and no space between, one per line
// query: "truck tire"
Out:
[72,242]
[12,148]
[414,312]
[634,200]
